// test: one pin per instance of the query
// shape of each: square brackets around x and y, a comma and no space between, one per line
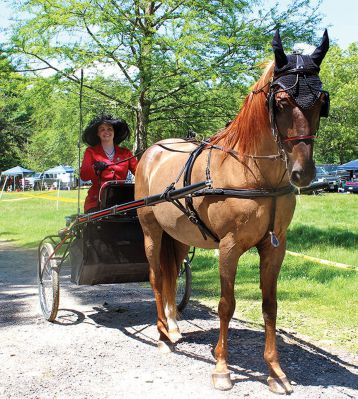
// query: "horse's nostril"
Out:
[295,176]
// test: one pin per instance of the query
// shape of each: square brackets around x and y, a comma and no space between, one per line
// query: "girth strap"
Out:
[189,209]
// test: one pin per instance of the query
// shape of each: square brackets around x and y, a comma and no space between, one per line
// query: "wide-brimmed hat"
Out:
[121,130]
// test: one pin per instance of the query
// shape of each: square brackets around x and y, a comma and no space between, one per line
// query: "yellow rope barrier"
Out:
[322,261]
[42,195]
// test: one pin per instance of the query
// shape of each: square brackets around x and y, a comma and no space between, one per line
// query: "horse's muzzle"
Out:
[302,177]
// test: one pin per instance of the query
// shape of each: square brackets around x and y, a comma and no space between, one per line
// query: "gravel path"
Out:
[103,345]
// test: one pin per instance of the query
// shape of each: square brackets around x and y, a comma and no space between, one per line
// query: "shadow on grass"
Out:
[304,237]
[302,273]
[31,244]
[4,237]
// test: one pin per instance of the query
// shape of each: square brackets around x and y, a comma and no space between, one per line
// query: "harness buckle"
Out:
[193,218]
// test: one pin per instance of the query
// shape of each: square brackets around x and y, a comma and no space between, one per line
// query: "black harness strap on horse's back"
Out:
[189,209]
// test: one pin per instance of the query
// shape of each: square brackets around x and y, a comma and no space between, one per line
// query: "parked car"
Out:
[41,181]
[318,184]
[337,177]
[351,186]
[322,179]
[67,181]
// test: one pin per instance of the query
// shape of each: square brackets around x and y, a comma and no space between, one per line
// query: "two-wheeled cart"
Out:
[106,247]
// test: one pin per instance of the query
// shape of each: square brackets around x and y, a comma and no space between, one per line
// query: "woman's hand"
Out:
[99,167]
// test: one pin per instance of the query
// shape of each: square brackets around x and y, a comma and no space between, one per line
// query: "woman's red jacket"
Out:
[114,172]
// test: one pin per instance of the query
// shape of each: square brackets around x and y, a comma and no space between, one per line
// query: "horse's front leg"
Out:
[229,255]
[270,264]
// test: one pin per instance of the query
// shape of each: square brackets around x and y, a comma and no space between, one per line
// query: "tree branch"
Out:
[110,55]
[171,107]
[74,79]
[165,16]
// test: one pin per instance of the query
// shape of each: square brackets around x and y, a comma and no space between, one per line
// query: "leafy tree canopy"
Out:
[338,135]
[14,115]
[180,61]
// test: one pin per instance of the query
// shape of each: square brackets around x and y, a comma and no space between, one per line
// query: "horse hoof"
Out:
[280,385]
[165,347]
[221,381]
[175,336]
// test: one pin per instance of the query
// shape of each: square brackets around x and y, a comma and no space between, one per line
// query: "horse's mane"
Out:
[246,130]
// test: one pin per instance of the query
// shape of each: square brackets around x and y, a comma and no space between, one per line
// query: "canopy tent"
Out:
[64,174]
[16,171]
[352,165]
[60,169]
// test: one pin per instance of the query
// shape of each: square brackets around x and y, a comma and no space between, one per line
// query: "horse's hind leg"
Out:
[152,245]
[172,255]
[270,263]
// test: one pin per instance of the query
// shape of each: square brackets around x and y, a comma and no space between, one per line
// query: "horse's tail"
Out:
[169,268]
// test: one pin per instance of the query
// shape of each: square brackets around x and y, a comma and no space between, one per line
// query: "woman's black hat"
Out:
[121,130]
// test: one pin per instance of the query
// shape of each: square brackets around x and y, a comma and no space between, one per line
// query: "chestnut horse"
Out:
[253,161]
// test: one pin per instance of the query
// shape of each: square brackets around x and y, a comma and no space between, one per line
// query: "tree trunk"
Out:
[145,78]
[142,119]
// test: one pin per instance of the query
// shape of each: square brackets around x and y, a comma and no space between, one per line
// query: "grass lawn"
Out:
[28,217]
[315,300]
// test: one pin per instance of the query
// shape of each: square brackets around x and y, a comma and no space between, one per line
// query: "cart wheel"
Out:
[49,284]
[183,285]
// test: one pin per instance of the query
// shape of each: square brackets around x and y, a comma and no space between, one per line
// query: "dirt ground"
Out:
[103,345]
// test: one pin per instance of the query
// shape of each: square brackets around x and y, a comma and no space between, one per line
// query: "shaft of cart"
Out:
[167,196]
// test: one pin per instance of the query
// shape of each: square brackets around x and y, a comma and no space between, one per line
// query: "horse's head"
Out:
[296,104]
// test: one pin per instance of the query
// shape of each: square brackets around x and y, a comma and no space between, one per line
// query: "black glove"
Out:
[99,166]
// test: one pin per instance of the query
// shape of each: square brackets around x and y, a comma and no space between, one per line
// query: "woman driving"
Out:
[102,159]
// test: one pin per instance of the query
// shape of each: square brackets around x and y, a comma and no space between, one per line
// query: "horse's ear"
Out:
[318,55]
[280,56]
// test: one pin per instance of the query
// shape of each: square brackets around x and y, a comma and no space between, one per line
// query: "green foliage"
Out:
[183,63]
[14,115]
[338,136]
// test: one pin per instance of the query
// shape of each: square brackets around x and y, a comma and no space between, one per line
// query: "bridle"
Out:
[276,86]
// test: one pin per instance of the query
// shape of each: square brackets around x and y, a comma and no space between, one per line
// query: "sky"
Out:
[340,17]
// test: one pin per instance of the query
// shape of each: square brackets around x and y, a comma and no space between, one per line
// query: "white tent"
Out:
[60,169]
[64,174]
[16,171]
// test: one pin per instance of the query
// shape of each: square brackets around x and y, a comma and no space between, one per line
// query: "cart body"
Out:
[105,249]
[110,251]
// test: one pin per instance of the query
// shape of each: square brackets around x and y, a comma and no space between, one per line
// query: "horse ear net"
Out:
[320,52]
[280,56]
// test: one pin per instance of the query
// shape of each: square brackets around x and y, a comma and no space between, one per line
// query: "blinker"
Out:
[325,106]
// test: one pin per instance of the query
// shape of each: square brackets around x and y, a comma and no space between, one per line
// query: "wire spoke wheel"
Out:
[183,285]
[48,281]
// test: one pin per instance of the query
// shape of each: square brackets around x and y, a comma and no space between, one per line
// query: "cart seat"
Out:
[116,192]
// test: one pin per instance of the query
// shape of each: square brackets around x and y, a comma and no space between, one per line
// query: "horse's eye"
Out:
[283,103]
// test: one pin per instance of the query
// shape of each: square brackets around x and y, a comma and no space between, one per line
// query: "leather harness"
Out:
[193,215]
